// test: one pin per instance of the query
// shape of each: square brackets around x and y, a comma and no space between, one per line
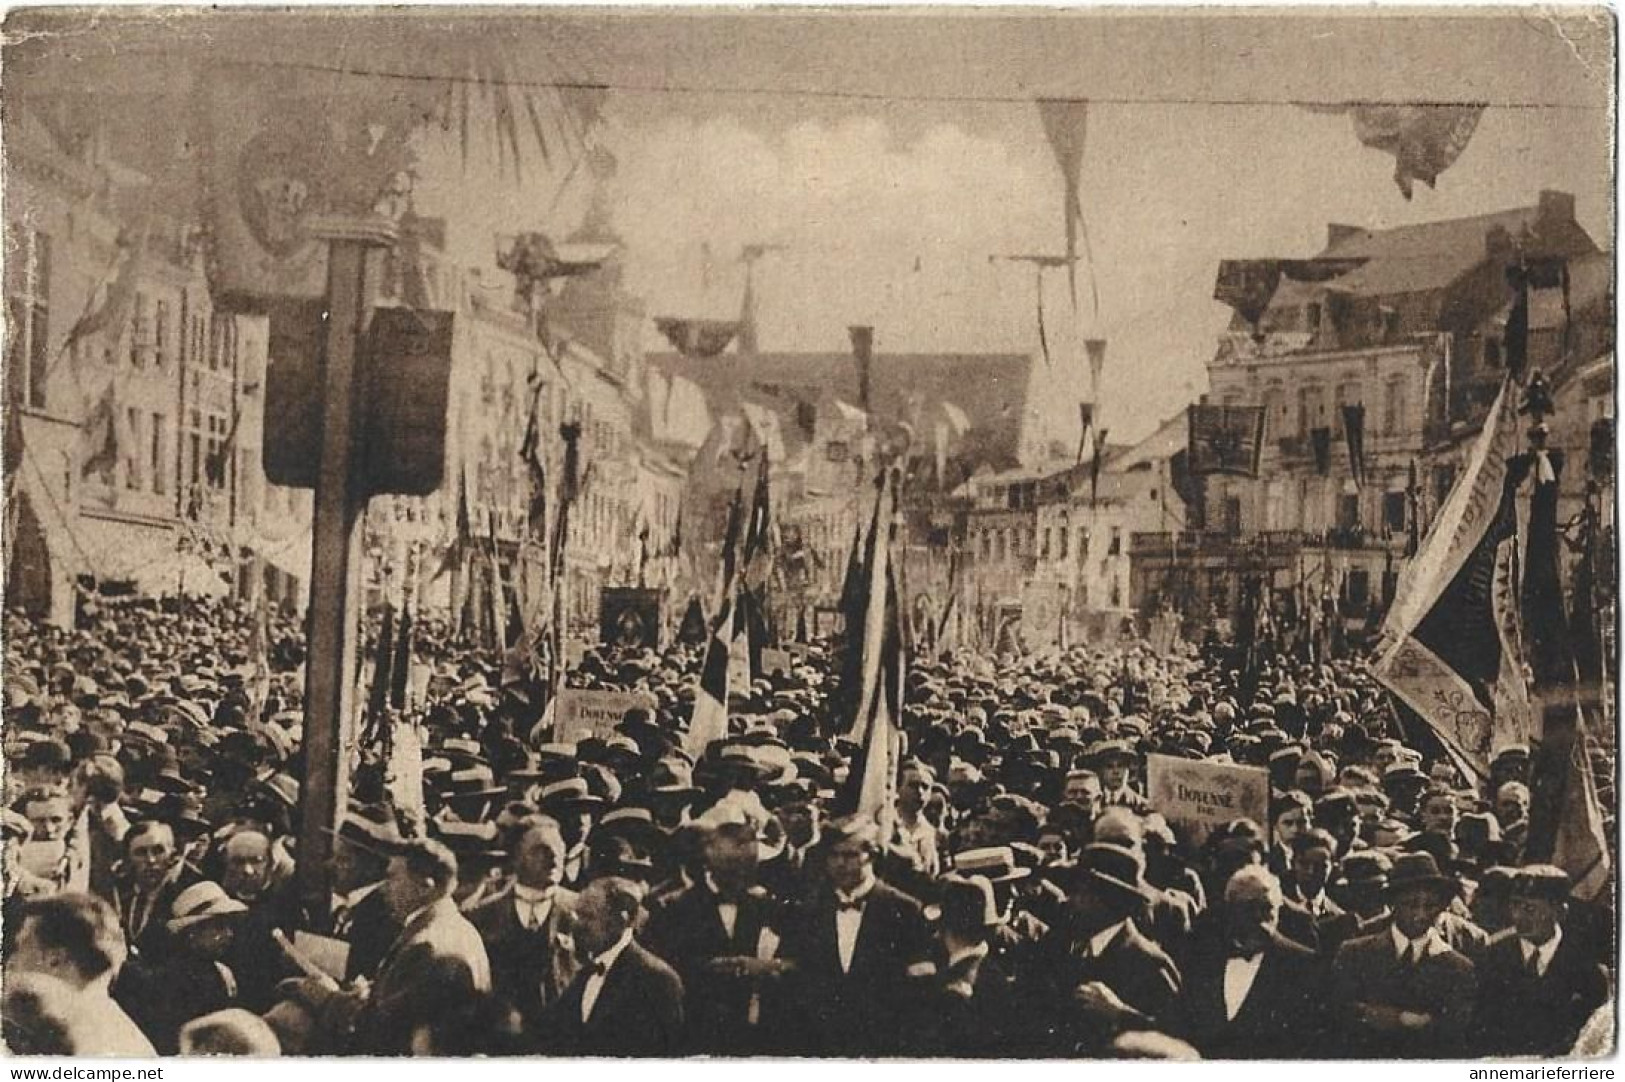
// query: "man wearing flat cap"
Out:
[1403,992]
[1539,984]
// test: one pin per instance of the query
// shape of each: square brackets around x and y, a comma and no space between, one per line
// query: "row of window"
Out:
[1052,542]
[1282,420]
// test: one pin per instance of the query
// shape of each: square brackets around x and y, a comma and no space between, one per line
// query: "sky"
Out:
[888,154]
[888,214]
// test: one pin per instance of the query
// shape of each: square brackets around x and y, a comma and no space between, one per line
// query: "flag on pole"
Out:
[1450,648]
[101,435]
[1066,123]
[871,787]
[709,721]
[217,463]
[122,277]
[1565,821]
[876,575]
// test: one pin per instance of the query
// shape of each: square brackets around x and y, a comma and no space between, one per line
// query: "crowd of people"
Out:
[613,894]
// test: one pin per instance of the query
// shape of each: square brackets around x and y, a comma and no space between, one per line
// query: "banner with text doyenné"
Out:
[583,713]
[1197,796]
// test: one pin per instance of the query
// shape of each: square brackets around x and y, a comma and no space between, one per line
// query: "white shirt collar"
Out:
[1431,942]
[1543,953]
[862,891]
[1103,939]
[980,950]
[534,895]
[608,958]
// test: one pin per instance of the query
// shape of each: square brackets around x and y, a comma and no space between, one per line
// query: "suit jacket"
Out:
[143,922]
[1136,969]
[1521,1014]
[1370,985]
[823,1011]
[1323,932]
[639,1011]
[688,934]
[436,964]
[370,929]
[1278,1019]
[529,968]
[970,1010]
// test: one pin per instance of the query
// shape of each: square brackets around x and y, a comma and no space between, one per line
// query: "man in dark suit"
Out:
[1097,974]
[528,927]
[436,965]
[1403,992]
[1308,915]
[1250,991]
[721,936]
[1539,985]
[156,873]
[624,1001]
[969,1009]
[856,950]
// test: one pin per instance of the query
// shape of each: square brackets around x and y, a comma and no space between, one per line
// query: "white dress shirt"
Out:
[849,921]
[1414,950]
[1540,955]
[532,905]
[595,980]
[1239,975]
[727,912]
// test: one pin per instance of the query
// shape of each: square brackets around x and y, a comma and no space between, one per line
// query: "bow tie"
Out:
[598,969]
[850,905]
[1246,954]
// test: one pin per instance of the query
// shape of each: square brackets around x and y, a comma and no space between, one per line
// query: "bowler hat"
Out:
[1419,871]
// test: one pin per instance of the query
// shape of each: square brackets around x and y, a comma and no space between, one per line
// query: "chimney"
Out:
[1337,233]
[1555,208]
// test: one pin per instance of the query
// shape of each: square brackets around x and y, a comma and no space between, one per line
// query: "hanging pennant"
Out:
[697,339]
[1096,348]
[863,344]
[1354,436]
[1320,440]
[1066,123]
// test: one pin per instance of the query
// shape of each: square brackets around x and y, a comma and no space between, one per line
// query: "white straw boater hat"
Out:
[202,902]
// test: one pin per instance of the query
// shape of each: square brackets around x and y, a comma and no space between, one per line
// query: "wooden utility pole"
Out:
[335,556]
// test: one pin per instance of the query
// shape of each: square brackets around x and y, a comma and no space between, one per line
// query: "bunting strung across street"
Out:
[1066,123]
[1450,645]
[1225,439]
[1354,437]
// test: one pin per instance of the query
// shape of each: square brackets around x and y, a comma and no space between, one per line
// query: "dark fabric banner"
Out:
[1225,439]
[1354,436]
[1320,440]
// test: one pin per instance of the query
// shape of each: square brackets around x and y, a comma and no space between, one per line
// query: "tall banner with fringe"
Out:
[1450,648]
